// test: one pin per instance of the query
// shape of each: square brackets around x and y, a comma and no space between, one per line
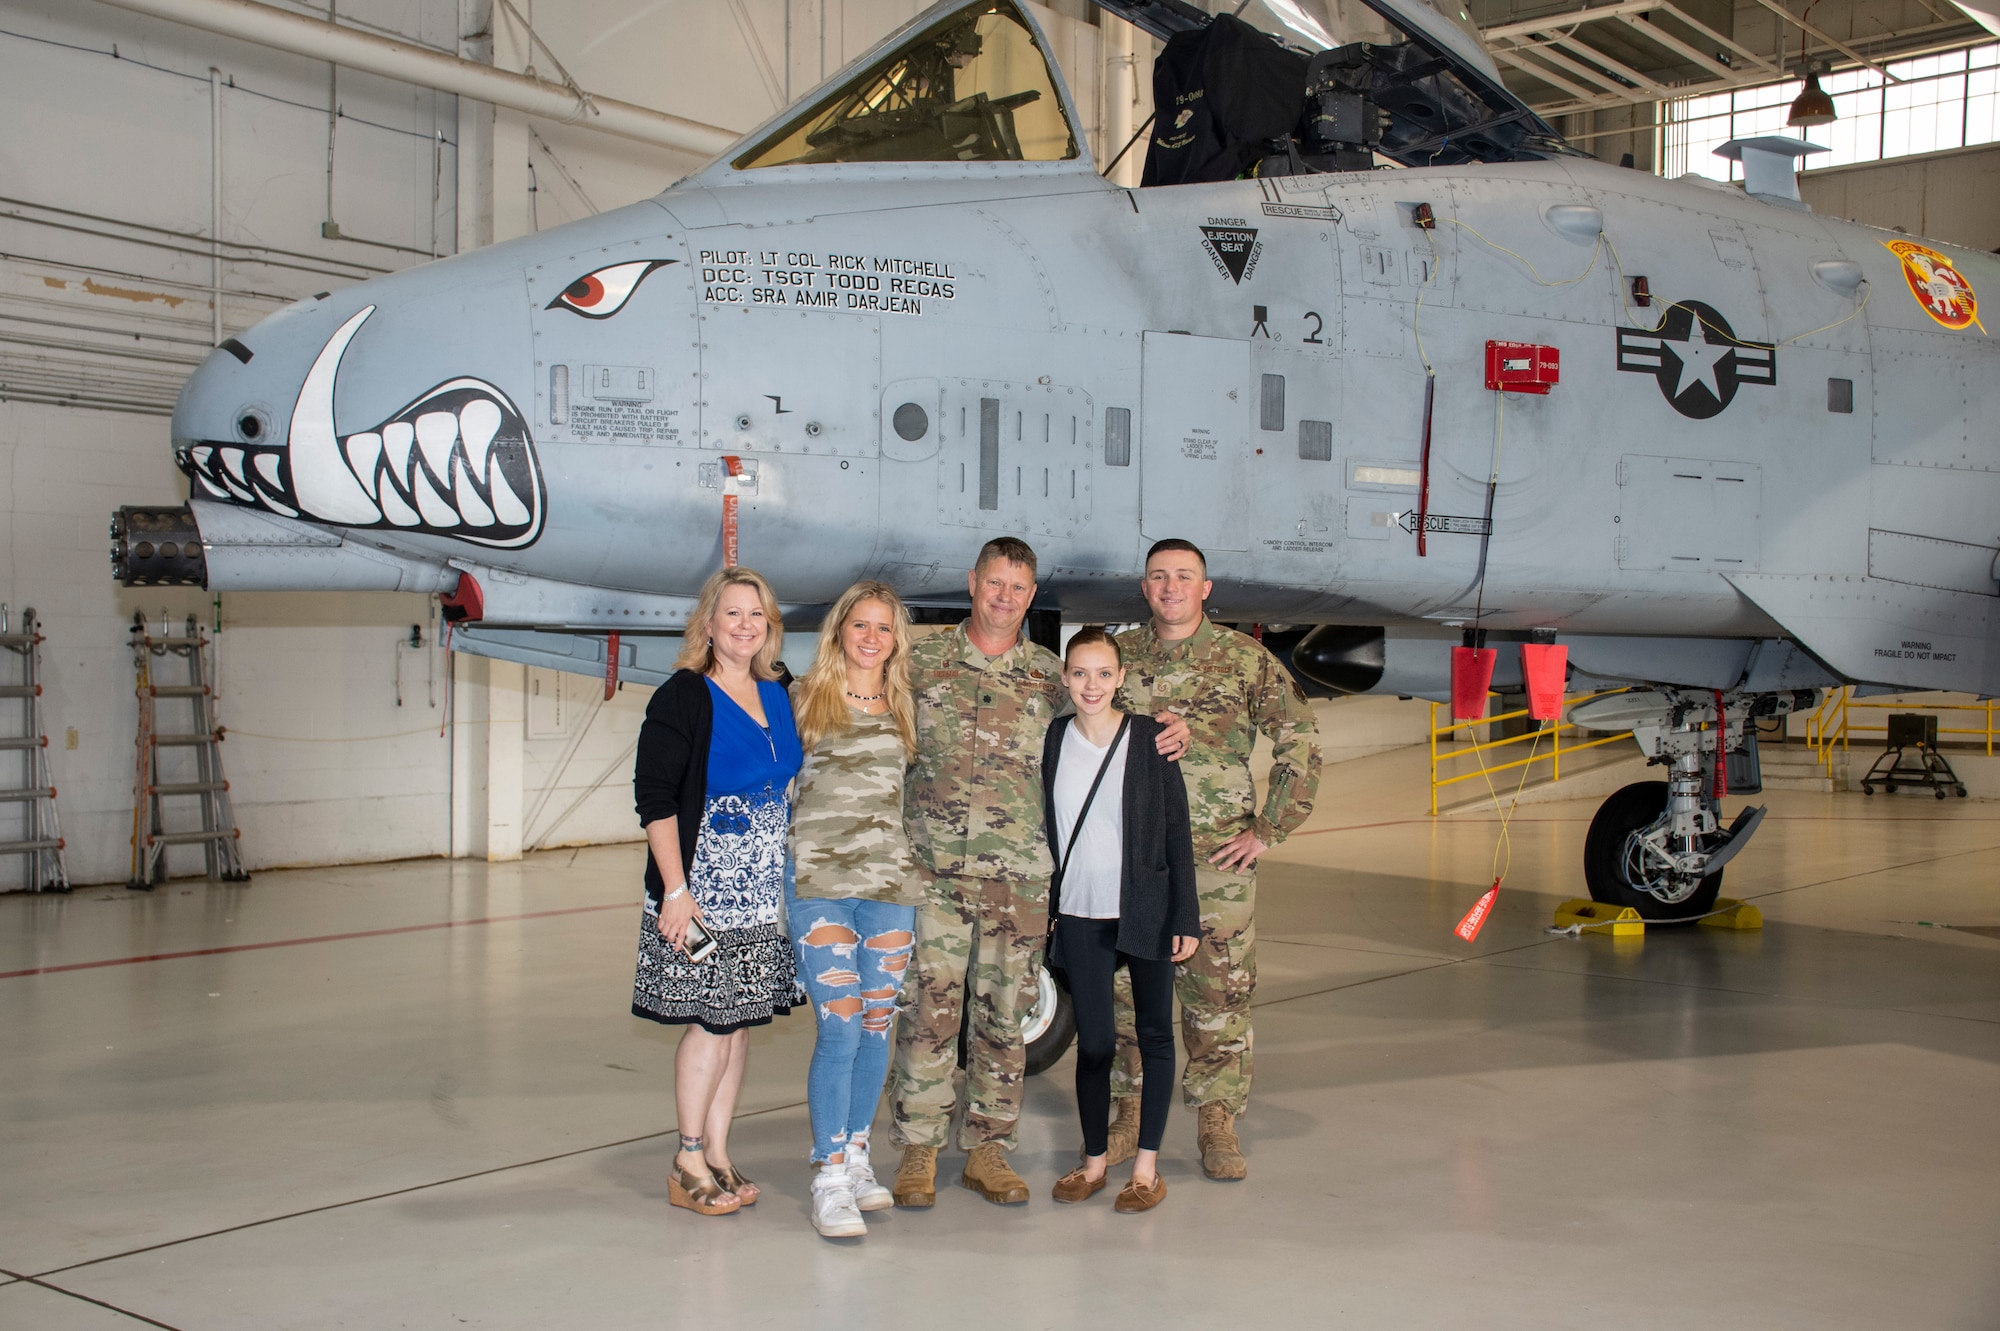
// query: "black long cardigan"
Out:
[670,777]
[1156,893]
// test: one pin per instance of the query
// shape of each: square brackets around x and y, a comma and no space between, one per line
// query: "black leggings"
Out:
[1090,959]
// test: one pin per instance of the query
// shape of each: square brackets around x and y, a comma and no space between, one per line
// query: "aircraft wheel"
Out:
[1049,1028]
[1605,869]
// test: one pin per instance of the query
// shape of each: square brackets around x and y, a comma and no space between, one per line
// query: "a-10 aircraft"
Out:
[1724,449]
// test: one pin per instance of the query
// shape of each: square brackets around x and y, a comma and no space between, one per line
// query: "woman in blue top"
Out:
[716,754]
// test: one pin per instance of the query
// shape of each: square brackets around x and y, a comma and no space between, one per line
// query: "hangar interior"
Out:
[389,1080]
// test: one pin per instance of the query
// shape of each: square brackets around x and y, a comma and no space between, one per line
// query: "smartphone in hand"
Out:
[699,942]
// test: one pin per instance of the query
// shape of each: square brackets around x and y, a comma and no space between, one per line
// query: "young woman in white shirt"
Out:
[1124,895]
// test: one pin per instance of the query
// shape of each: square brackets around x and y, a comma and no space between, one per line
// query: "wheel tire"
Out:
[1941,792]
[1624,813]
[1053,1039]
[1890,787]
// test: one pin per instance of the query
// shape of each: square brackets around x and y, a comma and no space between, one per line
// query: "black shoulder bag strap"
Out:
[1062,865]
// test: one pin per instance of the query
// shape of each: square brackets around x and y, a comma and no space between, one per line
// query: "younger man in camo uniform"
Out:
[1228,688]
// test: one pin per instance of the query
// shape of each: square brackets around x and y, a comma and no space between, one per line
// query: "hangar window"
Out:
[972,88]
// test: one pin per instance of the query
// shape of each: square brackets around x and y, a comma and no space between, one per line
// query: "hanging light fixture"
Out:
[1812,106]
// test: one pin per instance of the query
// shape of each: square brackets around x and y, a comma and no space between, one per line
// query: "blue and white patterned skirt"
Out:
[738,880]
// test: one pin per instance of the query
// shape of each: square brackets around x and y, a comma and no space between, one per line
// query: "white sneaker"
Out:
[868,1194]
[834,1213]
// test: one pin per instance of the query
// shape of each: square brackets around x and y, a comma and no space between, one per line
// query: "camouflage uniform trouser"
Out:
[1214,988]
[978,943]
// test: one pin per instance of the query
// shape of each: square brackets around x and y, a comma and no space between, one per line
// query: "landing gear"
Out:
[1049,1027]
[1620,869]
[1659,846]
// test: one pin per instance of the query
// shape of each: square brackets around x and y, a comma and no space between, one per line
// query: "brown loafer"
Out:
[1074,1187]
[1136,1197]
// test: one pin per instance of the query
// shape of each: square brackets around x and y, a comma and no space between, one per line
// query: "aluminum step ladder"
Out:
[214,828]
[41,837]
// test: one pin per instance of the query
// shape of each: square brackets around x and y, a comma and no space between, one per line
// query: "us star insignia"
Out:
[1697,359]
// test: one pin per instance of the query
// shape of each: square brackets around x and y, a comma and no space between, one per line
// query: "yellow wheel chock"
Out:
[1733,914]
[1599,917]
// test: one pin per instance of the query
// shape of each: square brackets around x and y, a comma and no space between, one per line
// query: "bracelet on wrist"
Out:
[677,893]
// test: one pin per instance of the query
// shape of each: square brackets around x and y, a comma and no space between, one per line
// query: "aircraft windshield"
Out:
[974,88]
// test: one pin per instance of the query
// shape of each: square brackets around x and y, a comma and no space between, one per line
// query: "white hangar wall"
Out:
[1950,196]
[106,284]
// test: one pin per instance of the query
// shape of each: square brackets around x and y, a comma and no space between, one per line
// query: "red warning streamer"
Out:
[1721,747]
[734,466]
[1475,919]
[610,667]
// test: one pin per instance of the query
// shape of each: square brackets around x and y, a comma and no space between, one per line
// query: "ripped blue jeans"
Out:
[852,957]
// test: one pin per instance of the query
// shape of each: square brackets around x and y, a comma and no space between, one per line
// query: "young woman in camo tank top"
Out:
[853,913]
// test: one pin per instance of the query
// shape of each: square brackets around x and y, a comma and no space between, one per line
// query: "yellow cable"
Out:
[1667,308]
[1534,272]
[1505,839]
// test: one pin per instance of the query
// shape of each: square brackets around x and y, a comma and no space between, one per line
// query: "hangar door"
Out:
[1194,421]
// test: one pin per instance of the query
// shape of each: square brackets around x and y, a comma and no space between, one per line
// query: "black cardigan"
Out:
[1156,894]
[670,777]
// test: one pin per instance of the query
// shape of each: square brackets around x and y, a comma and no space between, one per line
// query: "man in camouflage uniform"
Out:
[1228,688]
[973,805]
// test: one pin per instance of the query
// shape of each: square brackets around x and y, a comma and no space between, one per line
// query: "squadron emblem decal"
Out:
[1697,359]
[1233,246]
[1939,287]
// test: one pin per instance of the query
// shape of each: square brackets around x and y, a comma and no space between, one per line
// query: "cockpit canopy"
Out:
[974,83]
[973,87]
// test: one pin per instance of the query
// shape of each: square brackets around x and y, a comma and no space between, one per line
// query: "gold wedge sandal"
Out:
[703,1196]
[734,1180]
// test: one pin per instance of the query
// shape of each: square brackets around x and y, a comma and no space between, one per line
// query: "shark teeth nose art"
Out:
[457,462]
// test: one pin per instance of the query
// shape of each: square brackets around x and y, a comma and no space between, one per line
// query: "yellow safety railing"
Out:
[1552,754]
[1830,725]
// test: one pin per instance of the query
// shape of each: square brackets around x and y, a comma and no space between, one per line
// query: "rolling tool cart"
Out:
[1912,731]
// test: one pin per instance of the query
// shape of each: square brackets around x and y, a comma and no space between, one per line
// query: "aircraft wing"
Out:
[1443,93]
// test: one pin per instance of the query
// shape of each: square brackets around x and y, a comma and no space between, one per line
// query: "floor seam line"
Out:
[1886,868]
[429,927]
[85,1298]
[383,1196]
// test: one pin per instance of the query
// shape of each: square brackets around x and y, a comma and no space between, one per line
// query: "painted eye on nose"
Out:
[601,294]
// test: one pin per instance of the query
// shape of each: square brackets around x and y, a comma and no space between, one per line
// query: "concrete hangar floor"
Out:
[410,1095]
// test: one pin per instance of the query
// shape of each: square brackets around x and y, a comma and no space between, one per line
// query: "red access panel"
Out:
[1522,367]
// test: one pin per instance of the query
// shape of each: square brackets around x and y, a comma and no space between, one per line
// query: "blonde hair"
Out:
[698,650]
[822,703]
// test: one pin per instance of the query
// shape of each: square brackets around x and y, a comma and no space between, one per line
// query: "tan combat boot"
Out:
[1123,1142]
[988,1174]
[1221,1156]
[916,1177]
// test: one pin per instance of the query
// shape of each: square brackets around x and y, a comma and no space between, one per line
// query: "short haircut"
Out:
[698,651]
[1176,543]
[1093,635]
[1012,549]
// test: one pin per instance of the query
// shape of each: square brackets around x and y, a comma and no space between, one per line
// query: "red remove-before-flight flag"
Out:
[1468,928]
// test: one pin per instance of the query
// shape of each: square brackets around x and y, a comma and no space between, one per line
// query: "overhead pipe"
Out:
[317,39]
